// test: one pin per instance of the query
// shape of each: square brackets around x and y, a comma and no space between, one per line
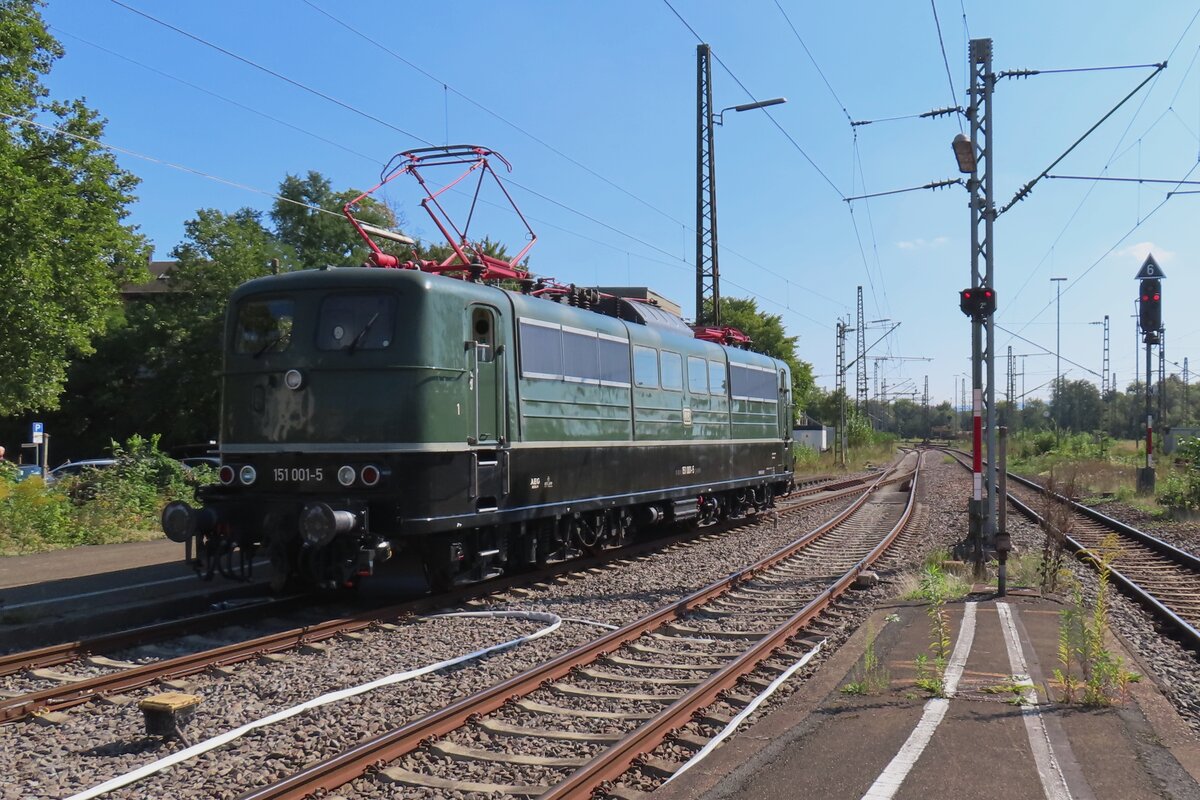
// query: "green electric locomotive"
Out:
[371,413]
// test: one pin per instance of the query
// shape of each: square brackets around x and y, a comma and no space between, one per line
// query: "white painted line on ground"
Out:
[99,592]
[745,712]
[1054,783]
[893,775]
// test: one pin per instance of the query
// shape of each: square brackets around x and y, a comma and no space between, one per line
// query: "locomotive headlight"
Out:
[226,474]
[248,474]
[369,475]
[293,379]
[319,523]
[346,475]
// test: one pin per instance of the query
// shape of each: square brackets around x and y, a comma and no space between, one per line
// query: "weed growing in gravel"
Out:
[911,587]
[1024,569]
[1104,679]
[1056,523]
[1012,688]
[872,676]
[935,590]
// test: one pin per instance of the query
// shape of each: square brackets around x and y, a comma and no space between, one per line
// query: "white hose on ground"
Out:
[552,622]
[747,711]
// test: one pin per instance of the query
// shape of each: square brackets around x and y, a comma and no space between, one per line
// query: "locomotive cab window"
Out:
[356,322]
[484,335]
[264,325]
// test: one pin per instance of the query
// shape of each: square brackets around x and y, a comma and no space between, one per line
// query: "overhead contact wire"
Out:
[336,101]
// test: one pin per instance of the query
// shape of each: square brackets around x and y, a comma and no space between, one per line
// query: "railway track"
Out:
[1157,574]
[92,674]
[580,721]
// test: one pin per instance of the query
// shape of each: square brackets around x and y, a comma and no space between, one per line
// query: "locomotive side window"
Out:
[716,378]
[697,376]
[541,350]
[581,356]
[356,322]
[614,361]
[645,367]
[264,325]
[672,371]
[749,383]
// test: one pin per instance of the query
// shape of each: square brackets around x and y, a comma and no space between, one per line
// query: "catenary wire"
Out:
[752,96]
[265,193]
[162,162]
[374,118]
[816,66]
[945,61]
[273,73]
[221,97]
[492,113]
[558,152]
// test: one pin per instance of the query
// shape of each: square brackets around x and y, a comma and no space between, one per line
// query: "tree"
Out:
[157,369]
[63,248]
[221,252]
[769,337]
[315,239]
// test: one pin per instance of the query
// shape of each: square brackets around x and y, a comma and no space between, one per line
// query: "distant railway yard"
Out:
[613,675]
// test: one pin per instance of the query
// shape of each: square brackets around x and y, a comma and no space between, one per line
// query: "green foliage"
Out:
[769,337]
[872,675]
[63,249]
[312,239]
[32,517]
[1180,488]
[1102,678]
[118,503]
[804,458]
[935,591]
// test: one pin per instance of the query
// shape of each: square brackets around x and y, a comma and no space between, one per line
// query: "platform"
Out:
[996,736]
[84,591]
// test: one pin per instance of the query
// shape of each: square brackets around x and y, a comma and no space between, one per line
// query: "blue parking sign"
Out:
[37,434]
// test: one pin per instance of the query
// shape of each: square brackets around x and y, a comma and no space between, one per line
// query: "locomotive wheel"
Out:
[283,570]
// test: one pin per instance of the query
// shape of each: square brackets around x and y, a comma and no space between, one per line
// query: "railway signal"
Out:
[1150,278]
[1150,306]
[978,302]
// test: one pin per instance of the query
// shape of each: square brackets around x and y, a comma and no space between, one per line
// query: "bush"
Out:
[118,503]
[33,517]
[1181,489]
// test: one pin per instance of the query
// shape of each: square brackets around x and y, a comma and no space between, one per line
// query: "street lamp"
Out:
[1057,334]
[1057,346]
[719,119]
[964,153]
[708,274]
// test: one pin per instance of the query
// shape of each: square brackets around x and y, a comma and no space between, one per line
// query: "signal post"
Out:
[1150,322]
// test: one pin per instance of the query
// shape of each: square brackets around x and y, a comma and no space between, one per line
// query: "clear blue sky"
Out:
[612,86]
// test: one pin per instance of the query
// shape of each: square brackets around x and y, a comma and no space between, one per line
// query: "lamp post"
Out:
[1057,348]
[708,275]
[974,157]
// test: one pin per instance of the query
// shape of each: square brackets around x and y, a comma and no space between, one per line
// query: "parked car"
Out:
[28,471]
[73,468]
[201,461]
